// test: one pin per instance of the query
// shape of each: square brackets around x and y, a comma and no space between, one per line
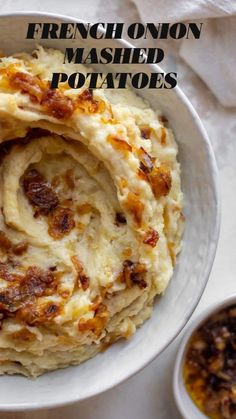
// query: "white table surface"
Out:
[149,394]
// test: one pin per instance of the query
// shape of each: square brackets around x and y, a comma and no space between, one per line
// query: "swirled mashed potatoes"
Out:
[91,215]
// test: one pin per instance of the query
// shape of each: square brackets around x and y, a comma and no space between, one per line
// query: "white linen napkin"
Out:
[213,56]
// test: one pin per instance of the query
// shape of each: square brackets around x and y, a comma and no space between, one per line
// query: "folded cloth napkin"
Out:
[213,56]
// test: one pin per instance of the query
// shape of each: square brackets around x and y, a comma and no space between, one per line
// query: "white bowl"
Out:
[184,402]
[172,311]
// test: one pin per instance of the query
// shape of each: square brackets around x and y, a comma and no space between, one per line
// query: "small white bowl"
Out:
[187,407]
[172,311]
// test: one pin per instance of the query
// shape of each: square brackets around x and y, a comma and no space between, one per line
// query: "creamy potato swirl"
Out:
[91,218]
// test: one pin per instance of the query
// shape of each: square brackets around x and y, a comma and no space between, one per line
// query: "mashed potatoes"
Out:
[91,218]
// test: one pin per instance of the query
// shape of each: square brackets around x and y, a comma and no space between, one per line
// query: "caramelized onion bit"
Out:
[32,85]
[52,100]
[163,136]
[146,161]
[133,273]
[20,248]
[135,206]
[145,132]
[86,102]
[151,237]
[57,104]
[84,208]
[7,246]
[97,323]
[5,243]
[60,222]
[119,144]
[51,310]
[160,180]
[7,274]
[39,192]
[82,279]
[24,288]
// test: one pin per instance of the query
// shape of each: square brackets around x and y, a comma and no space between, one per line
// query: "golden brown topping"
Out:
[135,206]
[97,323]
[34,315]
[84,208]
[86,102]
[145,132]
[119,144]
[120,218]
[54,101]
[21,293]
[133,273]
[151,237]
[39,192]
[83,280]
[32,85]
[57,104]
[160,179]
[146,161]
[60,222]
[37,282]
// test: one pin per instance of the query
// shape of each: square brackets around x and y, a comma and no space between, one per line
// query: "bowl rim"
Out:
[47,404]
[214,308]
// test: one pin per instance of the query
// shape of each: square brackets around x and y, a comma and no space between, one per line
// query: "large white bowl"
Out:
[172,311]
